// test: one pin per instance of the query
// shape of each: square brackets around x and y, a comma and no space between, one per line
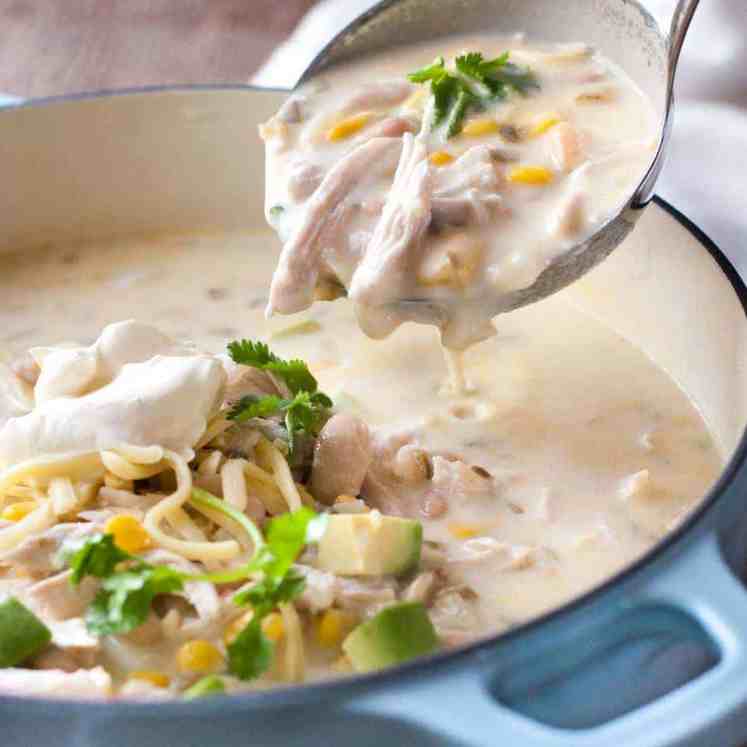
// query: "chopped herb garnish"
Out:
[98,557]
[473,83]
[124,600]
[250,653]
[305,413]
[286,537]
[295,373]
[497,75]
[129,585]
[252,406]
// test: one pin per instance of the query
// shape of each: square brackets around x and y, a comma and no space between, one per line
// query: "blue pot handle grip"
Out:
[458,708]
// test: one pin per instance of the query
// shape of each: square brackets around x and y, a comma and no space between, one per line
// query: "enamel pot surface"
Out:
[655,656]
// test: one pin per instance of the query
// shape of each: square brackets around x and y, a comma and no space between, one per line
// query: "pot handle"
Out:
[457,706]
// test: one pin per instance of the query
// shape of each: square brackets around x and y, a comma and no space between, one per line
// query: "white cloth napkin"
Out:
[706,173]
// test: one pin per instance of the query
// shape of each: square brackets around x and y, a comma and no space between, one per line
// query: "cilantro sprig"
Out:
[305,412]
[129,584]
[473,84]
[250,653]
[124,600]
[295,373]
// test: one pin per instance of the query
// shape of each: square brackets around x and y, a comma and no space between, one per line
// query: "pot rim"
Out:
[347,687]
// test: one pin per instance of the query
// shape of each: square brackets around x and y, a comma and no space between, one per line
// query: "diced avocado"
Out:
[397,634]
[22,633]
[210,685]
[370,545]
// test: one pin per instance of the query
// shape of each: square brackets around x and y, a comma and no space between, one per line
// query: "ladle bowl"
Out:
[622,29]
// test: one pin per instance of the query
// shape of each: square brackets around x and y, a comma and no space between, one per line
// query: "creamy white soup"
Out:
[143,466]
[433,196]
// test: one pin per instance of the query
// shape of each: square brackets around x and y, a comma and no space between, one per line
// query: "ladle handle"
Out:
[681,18]
[678,27]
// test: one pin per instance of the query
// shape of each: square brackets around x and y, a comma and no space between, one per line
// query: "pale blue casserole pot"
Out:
[656,656]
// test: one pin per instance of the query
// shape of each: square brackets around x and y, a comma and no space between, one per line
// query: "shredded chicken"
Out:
[390,127]
[41,553]
[201,596]
[57,599]
[300,262]
[72,647]
[377,95]
[304,178]
[361,597]
[379,278]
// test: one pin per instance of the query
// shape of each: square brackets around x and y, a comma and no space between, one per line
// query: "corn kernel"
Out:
[440,158]
[479,127]
[348,126]
[129,533]
[272,626]
[235,627]
[333,626]
[18,511]
[199,657]
[543,126]
[157,679]
[463,531]
[535,175]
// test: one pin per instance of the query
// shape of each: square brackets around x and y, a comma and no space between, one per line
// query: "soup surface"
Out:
[565,455]
[452,188]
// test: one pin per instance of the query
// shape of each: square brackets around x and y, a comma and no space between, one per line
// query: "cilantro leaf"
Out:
[300,415]
[256,354]
[250,653]
[286,537]
[265,595]
[464,99]
[251,406]
[98,556]
[306,412]
[497,75]
[250,353]
[474,65]
[434,71]
[471,86]
[124,600]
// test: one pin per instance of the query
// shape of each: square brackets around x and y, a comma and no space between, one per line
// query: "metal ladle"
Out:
[622,29]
